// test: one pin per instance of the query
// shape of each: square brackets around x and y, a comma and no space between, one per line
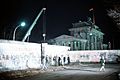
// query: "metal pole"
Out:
[93,17]
[15,32]
[44,26]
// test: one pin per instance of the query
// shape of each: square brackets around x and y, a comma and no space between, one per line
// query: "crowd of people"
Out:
[56,61]
[64,60]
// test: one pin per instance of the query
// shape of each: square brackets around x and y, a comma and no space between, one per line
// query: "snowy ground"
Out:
[76,72]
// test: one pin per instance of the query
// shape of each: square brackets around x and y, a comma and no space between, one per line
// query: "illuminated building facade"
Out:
[83,36]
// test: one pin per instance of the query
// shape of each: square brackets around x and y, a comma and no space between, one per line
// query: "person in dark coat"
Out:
[59,61]
[68,59]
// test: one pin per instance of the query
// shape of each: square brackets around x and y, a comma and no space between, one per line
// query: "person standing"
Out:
[62,60]
[102,61]
[68,59]
[59,61]
[47,60]
[44,67]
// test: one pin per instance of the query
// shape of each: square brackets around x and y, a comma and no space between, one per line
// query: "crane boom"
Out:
[33,24]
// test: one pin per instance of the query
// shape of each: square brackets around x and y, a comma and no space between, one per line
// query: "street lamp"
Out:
[22,24]
[44,36]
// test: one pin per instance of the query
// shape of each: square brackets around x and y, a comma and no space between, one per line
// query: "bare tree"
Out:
[113,9]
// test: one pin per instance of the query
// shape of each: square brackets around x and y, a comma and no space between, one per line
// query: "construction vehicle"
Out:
[33,24]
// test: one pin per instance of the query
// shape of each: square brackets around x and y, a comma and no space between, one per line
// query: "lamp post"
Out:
[44,36]
[22,24]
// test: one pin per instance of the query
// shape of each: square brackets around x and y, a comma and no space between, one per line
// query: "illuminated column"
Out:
[78,45]
[62,43]
[84,45]
[88,45]
[92,46]
[90,42]
[95,43]
[71,45]
[66,44]
[75,47]
[57,43]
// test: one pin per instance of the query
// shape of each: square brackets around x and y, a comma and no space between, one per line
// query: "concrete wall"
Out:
[16,55]
[93,55]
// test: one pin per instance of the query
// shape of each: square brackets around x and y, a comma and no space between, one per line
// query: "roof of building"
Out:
[80,24]
[84,24]
[68,38]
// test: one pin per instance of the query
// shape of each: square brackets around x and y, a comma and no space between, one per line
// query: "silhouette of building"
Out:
[83,36]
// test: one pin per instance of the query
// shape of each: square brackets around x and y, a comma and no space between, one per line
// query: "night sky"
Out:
[60,15]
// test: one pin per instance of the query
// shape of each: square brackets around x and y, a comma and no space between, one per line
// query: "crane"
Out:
[33,24]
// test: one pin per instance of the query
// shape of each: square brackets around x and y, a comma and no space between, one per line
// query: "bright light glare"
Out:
[23,24]
[90,33]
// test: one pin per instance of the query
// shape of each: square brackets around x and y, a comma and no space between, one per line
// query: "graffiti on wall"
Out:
[93,56]
[4,57]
